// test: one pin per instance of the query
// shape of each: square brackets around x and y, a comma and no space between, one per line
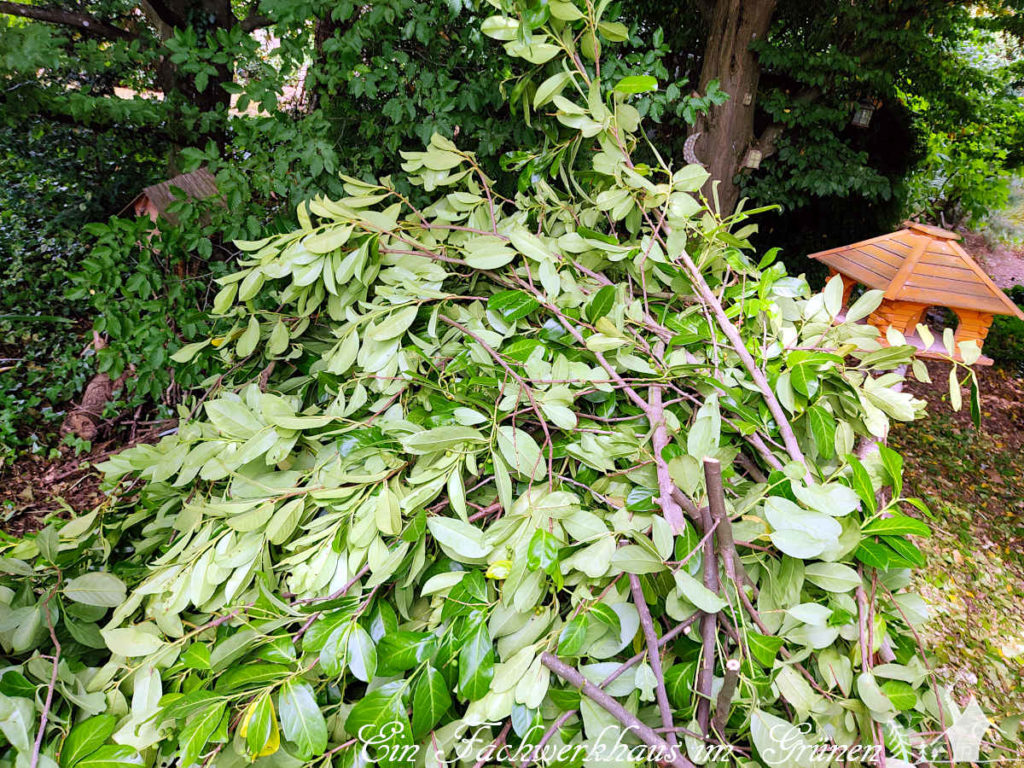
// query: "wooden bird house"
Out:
[920,267]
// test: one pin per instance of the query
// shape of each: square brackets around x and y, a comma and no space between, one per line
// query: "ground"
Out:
[973,482]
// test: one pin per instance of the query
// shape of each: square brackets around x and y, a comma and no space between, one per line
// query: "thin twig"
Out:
[44,715]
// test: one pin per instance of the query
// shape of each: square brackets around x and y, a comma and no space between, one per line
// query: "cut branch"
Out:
[708,627]
[646,734]
[724,701]
[654,658]
[81,21]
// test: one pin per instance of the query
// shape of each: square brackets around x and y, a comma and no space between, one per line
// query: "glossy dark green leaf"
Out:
[85,738]
[764,648]
[908,552]
[573,636]
[679,683]
[601,303]
[111,756]
[897,525]
[382,712]
[197,732]
[875,555]
[476,664]
[302,722]
[430,701]
[401,650]
[250,676]
[13,683]
[512,305]
[861,483]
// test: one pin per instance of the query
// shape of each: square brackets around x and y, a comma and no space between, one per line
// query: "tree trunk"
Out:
[727,129]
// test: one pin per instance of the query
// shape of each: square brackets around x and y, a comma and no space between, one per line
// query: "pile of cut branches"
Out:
[561,477]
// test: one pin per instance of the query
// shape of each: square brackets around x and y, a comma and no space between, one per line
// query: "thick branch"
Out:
[708,627]
[616,673]
[255,21]
[643,732]
[67,19]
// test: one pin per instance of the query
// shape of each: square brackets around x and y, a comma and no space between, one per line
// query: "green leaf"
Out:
[111,756]
[909,553]
[440,439]
[249,338]
[893,464]
[637,84]
[897,525]
[832,577]
[680,680]
[861,482]
[460,539]
[521,452]
[430,701]
[901,694]
[362,654]
[131,641]
[512,305]
[197,732]
[85,738]
[550,88]
[573,636]
[99,588]
[381,711]
[188,351]
[260,723]
[823,429]
[476,664]
[606,616]
[601,303]
[779,743]
[542,551]
[697,594]
[302,722]
[196,656]
[764,648]
[875,555]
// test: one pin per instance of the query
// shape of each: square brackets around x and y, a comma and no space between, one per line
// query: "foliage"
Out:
[57,177]
[1005,340]
[971,151]
[464,444]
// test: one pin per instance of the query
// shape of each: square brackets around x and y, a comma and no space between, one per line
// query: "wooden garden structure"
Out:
[919,267]
[154,201]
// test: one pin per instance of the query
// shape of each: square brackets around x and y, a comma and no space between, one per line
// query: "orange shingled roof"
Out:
[923,265]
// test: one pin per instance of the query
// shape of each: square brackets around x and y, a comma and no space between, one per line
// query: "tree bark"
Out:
[65,18]
[727,129]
